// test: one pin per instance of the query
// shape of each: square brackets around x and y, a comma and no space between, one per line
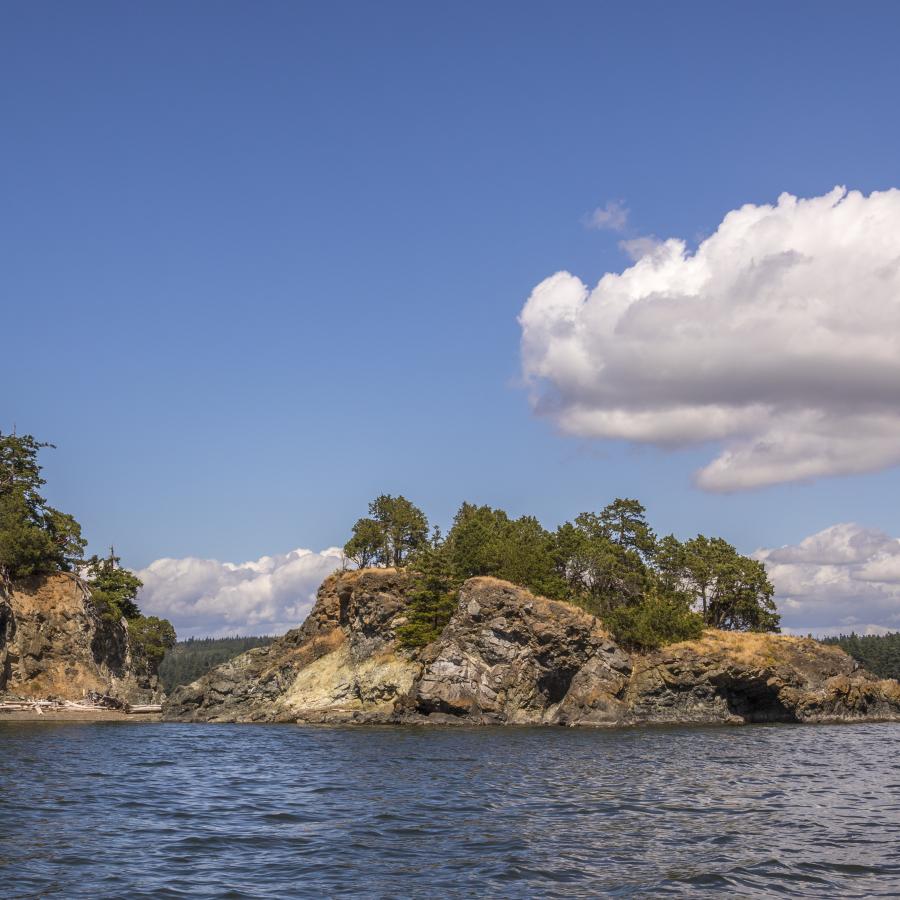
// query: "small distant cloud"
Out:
[612,217]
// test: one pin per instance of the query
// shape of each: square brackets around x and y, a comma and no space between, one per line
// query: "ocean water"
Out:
[145,810]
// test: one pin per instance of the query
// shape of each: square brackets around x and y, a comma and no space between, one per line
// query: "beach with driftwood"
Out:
[24,709]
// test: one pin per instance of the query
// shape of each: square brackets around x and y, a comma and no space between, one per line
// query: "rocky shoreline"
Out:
[508,657]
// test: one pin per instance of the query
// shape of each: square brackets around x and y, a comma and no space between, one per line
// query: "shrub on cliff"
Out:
[113,589]
[433,597]
[654,621]
[152,637]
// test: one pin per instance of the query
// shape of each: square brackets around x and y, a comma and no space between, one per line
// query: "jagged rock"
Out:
[341,664]
[508,657]
[54,643]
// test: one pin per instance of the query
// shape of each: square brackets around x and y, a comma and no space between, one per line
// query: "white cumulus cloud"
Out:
[777,340]
[845,578]
[205,597]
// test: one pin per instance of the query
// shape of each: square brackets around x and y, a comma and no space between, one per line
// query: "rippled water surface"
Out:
[130,810]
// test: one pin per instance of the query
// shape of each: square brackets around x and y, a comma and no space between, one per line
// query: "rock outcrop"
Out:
[55,644]
[509,657]
[342,664]
[728,676]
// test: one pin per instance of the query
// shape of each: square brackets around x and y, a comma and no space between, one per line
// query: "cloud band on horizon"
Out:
[843,578]
[208,598]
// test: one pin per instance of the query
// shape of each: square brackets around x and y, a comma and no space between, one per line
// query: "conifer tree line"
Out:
[879,653]
[648,590]
[189,660]
[37,540]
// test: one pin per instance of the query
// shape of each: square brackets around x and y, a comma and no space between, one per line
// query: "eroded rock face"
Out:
[508,657]
[738,678]
[53,643]
[342,664]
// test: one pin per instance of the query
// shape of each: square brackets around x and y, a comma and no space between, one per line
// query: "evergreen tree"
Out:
[35,539]
[603,556]
[732,591]
[366,545]
[879,653]
[485,541]
[395,528]
[154,637]
[114,590]
[433,597]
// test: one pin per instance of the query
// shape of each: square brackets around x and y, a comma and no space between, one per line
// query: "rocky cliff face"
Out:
[508,657]
[54,644]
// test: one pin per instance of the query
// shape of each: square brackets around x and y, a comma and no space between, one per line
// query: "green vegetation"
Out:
[433,597]
[649,591]
[38,540]
[395,529]
[187,660]
[654,621]
[113,589]
[35,539]
[154,636]
[880,653]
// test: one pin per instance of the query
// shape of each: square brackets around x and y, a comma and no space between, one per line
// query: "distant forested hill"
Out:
[878,653]
[190,659]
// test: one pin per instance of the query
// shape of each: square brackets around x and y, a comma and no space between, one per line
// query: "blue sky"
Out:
[260,262]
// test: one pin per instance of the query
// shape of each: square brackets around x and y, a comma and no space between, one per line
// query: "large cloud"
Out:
[778,340]
[206,597]
[843,578]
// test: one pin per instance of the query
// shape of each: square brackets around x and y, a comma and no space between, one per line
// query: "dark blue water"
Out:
[129,810]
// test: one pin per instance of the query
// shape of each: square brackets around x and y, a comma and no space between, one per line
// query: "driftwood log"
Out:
[93,702]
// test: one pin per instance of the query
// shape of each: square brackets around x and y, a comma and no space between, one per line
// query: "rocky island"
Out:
[509,657]
[600,623]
